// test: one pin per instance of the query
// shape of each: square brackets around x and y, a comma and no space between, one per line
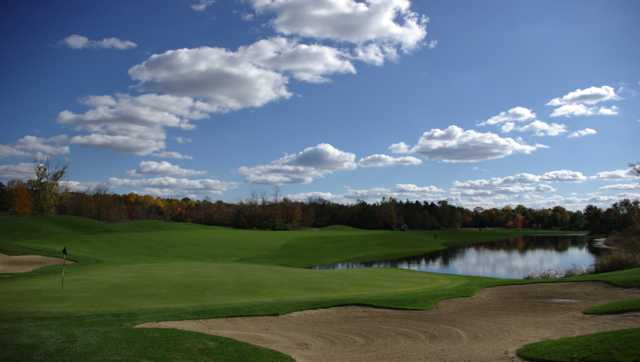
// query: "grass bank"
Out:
[618,346]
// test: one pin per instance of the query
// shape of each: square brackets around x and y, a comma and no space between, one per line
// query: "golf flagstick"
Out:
[64,264]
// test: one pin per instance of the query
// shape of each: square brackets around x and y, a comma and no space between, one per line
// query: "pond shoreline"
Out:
[514,258]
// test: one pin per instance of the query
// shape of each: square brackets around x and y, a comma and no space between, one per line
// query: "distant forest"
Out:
[43,196]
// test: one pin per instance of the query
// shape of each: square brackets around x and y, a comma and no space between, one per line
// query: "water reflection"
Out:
[516,258]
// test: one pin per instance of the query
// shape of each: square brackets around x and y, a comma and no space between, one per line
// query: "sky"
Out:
[481,103]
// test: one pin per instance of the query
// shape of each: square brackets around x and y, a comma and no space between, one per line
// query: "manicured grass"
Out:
[130,273]
[628,278]
[623,306]
[102,339]
[618,346]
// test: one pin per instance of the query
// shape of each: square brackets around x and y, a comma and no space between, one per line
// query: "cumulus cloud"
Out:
[78,186]
[36,147]
[76,41]
[252,76]
[201,5]
[485,190]
[174,184]
[384,21]
[315,195]
[162,168]
[399,191]
[616,174]
[172,154]
[20,171]
[455,144]
[11,151]
[379,160]
[305,62]
[582,133]
[302,167]
[132,124]
[621,187]
[563,175]
[539,128]
[581,110]
[583,103]
[524,178]
[513,115]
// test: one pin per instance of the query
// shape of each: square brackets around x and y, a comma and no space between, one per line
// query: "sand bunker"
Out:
[26,263]
[489,326]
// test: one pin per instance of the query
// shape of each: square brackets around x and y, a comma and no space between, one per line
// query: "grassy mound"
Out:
[623,306]
[616,346]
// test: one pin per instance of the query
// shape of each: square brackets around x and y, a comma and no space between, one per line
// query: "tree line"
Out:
[44,196]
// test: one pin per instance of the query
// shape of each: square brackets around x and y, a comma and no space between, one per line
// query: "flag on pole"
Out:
[64,263]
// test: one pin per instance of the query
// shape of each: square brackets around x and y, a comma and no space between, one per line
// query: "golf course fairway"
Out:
[131,273]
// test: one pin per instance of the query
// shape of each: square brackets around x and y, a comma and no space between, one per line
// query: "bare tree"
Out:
[44,186]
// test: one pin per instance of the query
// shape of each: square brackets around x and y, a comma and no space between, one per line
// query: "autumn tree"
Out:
[19,198]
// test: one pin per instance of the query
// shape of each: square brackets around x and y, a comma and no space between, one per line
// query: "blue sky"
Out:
[485,103]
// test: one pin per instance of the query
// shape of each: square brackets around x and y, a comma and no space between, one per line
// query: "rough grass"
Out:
[616,346]
[619,307]
[130,273]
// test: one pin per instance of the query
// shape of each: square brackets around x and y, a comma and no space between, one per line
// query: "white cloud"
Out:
[53,146]
[315,195]
[540,128]
[223,79]
[78,186]
[380,21]
[512,188]
[249,77]
[176,185]
[616,174]
[582,103]
[162,168]
[379,160]
[400,192]
[305,62]
[183,140]
[76,41]
[302,167]
[172,154]
[252,76]
[524,178]
[454,144]
[20,171]
[11,151]
[247,16]
[582,133]
[133,124]
[589,96]
[36,147]
[513,115]
[400,147]
[621,187]
[581,110]
[201,5]
[563,175]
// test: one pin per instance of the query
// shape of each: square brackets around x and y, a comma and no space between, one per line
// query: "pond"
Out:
[516,258]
